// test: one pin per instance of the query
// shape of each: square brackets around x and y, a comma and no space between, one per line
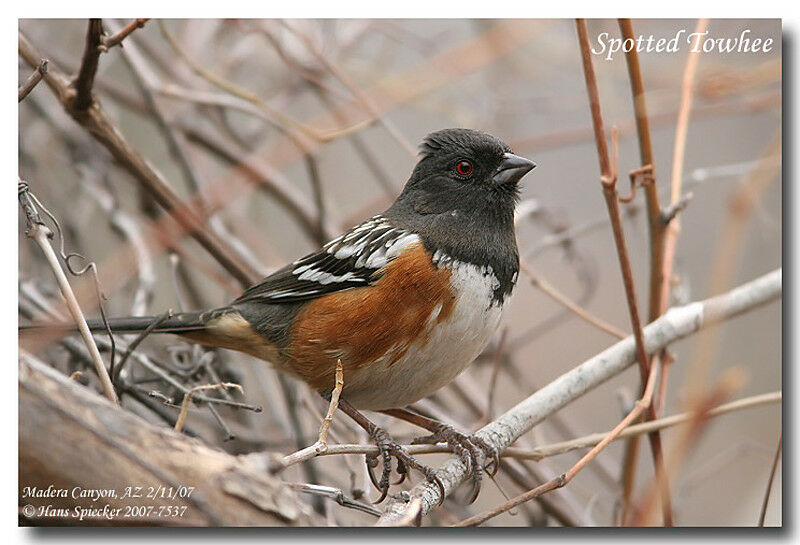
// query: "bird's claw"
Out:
[470,448]
[388,449]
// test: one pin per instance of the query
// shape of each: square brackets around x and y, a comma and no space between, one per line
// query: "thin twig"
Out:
[187,399]
[336,494]
[671,212]
[669,216]
[116,373]
[764,505]
[116,39]
[587,441]
[678,154]
[499,354]
[33,80]
[656,229]
[608,182]
[321,446]
[647,159]
[560,298]
[319,195]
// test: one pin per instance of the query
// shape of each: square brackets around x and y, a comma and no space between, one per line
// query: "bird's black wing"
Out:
[354,259]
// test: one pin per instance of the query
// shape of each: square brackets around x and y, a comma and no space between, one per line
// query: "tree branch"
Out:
[82,84]
[116,39]
[33,80]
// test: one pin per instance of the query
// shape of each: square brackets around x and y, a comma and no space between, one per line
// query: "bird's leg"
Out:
[469,448]
[388,448]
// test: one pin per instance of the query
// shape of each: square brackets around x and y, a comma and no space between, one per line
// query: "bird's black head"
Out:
[460,168]
[461,197]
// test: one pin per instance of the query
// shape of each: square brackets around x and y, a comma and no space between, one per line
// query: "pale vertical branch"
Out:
[673,228]
[40,234]
[672,222]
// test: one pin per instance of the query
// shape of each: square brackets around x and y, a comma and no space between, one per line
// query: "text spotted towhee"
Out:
[406,300]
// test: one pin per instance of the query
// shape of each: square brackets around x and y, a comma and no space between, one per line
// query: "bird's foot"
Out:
[471,449]
[388,449]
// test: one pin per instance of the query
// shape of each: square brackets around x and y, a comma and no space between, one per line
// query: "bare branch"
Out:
[187,399]
[587,441]
[560,298]
[83,82]
[33,80]
[116,39]
[321,446]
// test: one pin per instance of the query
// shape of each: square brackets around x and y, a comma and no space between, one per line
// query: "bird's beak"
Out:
[512,169]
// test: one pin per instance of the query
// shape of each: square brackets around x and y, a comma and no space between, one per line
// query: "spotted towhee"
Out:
[406,300]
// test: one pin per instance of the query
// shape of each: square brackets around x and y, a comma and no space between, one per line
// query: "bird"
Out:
[405,300]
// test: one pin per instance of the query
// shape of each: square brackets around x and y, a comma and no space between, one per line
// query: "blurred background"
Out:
[294,130]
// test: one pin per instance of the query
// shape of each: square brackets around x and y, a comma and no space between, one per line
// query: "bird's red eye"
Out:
[464,168]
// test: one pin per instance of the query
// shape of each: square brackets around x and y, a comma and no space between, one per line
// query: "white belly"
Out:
[448,348]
